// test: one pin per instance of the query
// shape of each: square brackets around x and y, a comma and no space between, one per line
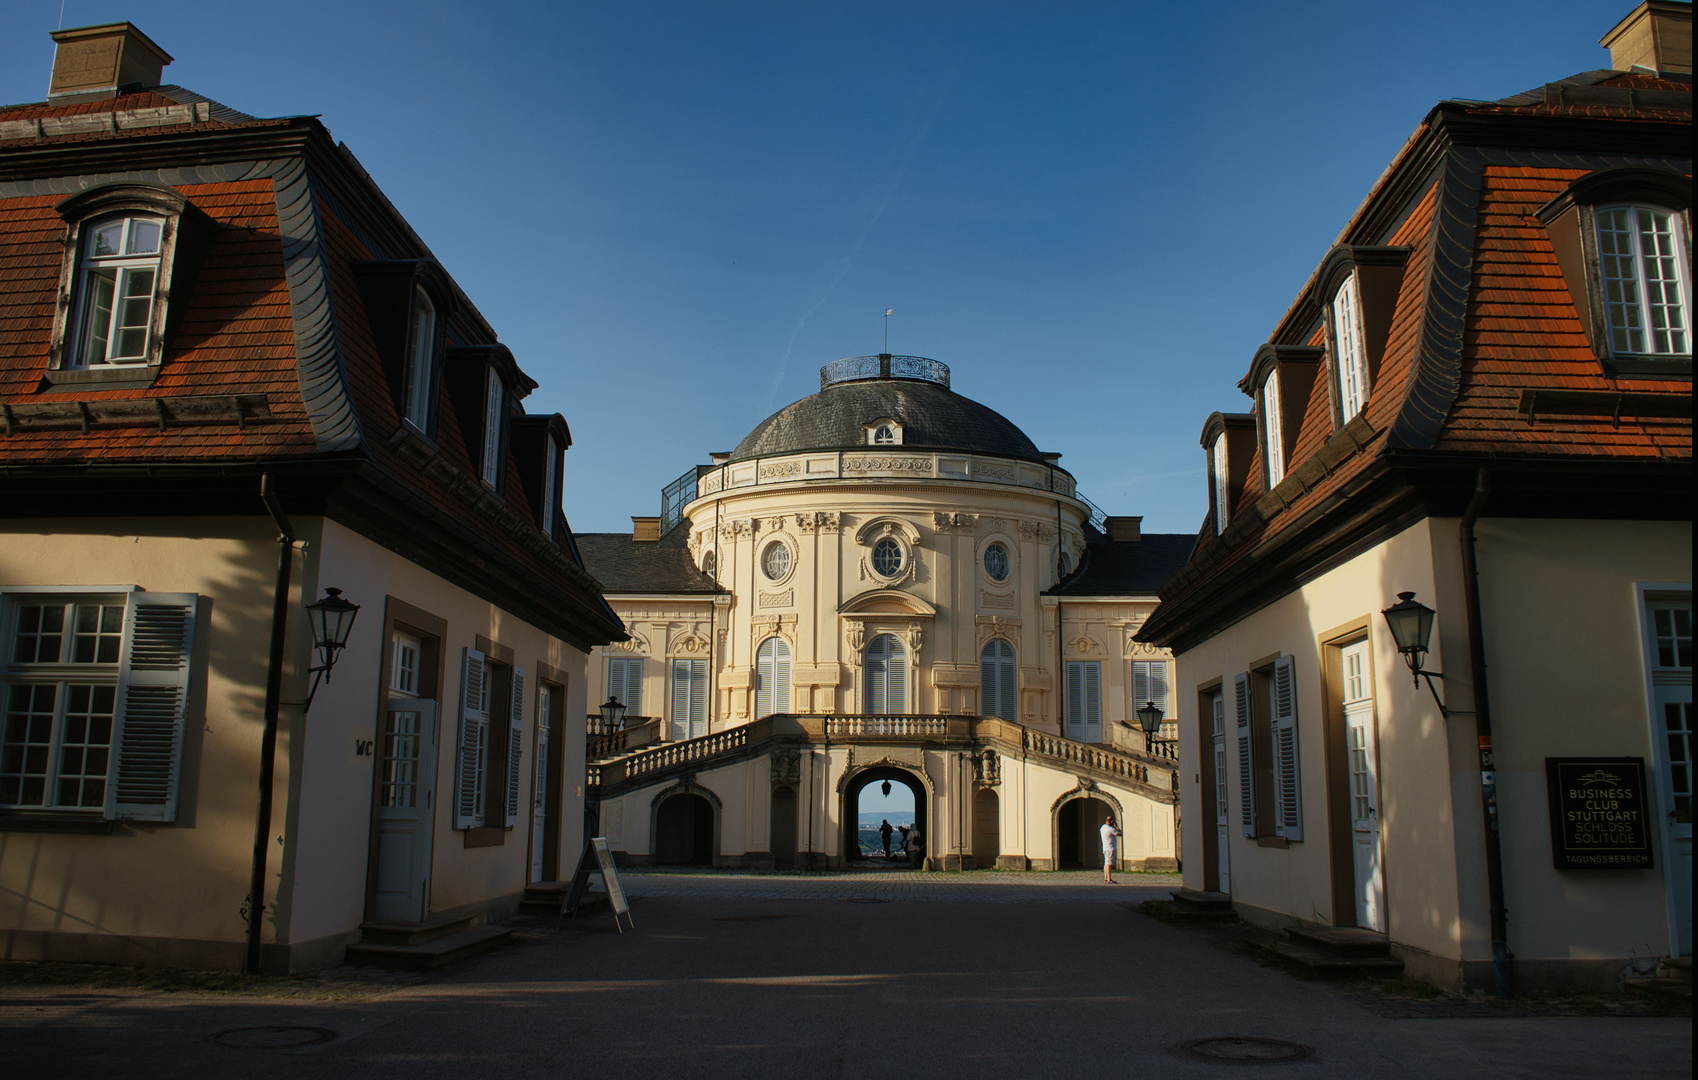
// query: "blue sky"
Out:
[674,213]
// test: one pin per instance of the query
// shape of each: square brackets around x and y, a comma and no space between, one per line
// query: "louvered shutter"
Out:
[151,706]
[698,698]
[1006,699]
[1140,684]
[763,679]
[1246,778]
[474,737]
[895,676]
[633,688]
[780,675]
[1093,701]
[680,699]
[1158,684]
[515,745]
[1288,791]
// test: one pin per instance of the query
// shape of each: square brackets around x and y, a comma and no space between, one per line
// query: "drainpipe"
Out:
[268,737]
[1502,970]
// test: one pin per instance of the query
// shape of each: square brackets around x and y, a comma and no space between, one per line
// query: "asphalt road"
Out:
[720,980]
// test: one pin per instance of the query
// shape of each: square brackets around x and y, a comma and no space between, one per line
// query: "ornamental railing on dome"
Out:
[884,366]
[674,497]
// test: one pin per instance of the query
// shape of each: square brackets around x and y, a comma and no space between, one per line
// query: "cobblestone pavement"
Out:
[973,887]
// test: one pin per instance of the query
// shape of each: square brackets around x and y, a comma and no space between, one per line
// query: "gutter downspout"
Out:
[1502,958]
[268,738]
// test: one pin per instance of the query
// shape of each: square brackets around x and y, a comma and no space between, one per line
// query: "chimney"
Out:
[1656,37]
[1124,529]
[645,529]
[94,61]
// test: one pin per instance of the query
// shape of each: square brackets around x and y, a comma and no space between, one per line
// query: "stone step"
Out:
[1343,942]
[1326,964]
[1678,968]
[399,933]
[1197,901]
[433,953]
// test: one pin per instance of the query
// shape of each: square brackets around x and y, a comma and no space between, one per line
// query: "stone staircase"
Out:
[433,943]
[544,898]
[1672,979]
[1191,907]
[1338,952]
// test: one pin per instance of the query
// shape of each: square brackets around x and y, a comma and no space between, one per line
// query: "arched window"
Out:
[772,677]
[710,564]
[883,434]
[996,680]
[887,675]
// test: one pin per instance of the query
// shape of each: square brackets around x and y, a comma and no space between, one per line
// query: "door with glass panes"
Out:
[1217,705]
[1670,626]
[539,793]
[1362,760]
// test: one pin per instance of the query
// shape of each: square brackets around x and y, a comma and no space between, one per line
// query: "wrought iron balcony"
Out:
[884,366]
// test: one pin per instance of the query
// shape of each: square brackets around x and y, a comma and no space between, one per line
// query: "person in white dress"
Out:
[1111,843]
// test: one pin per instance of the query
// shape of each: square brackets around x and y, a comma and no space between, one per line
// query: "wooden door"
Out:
[1362,750]
[1218,705]
[406,810]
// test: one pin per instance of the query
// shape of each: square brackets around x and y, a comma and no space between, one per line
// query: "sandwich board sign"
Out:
[598,859]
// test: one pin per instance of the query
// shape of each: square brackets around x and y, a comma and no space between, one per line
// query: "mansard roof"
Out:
[626,565]
[1127,567]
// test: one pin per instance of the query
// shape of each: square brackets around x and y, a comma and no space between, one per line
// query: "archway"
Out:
[987,827]
[1078,842]
[852,844]
[784,827]
[684,830]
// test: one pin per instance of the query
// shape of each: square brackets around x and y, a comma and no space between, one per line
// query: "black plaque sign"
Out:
[1598,817]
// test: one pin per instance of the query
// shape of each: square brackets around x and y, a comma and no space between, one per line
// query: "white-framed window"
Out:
[421,349]
[1149,683]
[1084,718]
[886,667]
[996,680]
[1217,474]
[625,682]
[95,689]
[494,408]
[550,476]
[775,561]
[1272,433]
[772,677]
[884,432]
[117,285]
[1063,564]
[1350,366]
[887,557]
[405,651]
[996,562]
[1667,628]
[1642,264]
[689,698]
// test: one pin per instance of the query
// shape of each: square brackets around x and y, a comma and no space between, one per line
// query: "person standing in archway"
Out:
[916,848]
[884,832]
[1111,845]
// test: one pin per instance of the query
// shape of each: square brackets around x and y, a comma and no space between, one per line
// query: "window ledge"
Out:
[126,377]
[1272,841]
[486,836]
[1650,367]
[49,821]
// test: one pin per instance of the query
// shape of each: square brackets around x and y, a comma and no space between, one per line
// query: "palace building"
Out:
[1434,644]
[884,581]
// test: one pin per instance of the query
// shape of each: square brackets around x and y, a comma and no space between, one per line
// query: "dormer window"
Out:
[495,407]
[1350,357]
[550,473]
[115,294]
[884,432]
[421,349]
[1640,256]
[1217,477]
[1273,437]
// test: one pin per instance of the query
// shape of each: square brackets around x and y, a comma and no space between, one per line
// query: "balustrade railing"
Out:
[1090,755]
[886,726]
[680,753]
[600,746]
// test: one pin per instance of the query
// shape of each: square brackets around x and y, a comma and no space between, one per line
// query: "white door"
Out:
[1362,755]
[1221,861]
[1671,684]
[539,793]
[406,810]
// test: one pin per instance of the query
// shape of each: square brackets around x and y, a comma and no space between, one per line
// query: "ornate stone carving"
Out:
[781,470]
[987,768]
[888,464]
[782,598]
[990,626]
[1003,601]
[1084,645]
[995,472]
[689,643]
[737,527]
[635,644]
[786,768]
[828,520]
[945,522]
[916,636]
[857,641]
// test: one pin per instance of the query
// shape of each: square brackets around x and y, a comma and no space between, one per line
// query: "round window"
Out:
[887,557]
[1064,565]
[775,562]
[996,562]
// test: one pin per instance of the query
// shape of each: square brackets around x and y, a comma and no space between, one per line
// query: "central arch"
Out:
[909,777]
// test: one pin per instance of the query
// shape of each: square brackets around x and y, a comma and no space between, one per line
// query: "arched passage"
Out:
[1078,842]
[784,827]
[877,775]
[684,828]
[987,827]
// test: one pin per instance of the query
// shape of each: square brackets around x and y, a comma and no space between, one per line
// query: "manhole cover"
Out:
[867,900]
[1244,1050]
[271,1037]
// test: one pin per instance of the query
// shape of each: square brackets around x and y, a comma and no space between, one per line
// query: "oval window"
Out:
[775,562]
[887,557]
[996,562]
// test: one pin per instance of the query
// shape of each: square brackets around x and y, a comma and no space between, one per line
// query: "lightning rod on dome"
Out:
[887,312]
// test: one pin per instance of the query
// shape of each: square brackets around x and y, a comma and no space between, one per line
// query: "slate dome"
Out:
[913,391]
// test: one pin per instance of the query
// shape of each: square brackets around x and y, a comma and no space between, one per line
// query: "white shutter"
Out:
[1246,777]
[780,675]
[996,679]
[1158,684]
[151,706]
[895,676]
[763,679]
[698,697]
[680,699]
[1093,701]
[633,688]
[1288,806]
[474,736]
[1006,700]
[515,745]
[1140,684]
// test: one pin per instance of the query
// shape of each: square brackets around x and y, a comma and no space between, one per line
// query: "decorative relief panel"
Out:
[995,472]
[1085,645]
[1001,601]
[781,598]
[1036,530]
[945,522]
[781,470]
[736,527]
[822,521]
[786,768]
[990,626]
[921,465]
[711,483]
[689,643]
[636,643]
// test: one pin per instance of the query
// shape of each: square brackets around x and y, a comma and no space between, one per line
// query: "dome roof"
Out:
[932,416]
